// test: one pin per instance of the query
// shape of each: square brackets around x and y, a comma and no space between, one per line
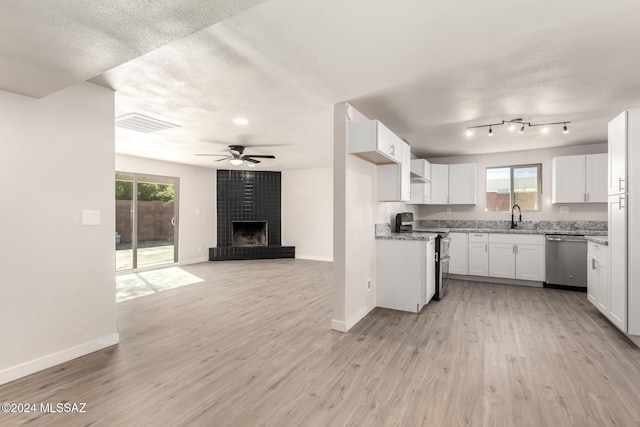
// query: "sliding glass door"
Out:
[146,220]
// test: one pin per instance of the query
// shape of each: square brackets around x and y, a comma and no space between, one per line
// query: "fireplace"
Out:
[249,233]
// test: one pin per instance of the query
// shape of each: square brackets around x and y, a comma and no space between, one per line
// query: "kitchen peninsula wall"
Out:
[582,212]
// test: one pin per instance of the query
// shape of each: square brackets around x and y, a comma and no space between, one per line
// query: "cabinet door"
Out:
[596,178]
[568,179]
[603,285]
[618,261]
[430,270]
[420,192]
[593,279]
[405,172]
[439,184]
[459,253]
[502,260]
[462,184]
[478,258]
[530,262]
[617,170]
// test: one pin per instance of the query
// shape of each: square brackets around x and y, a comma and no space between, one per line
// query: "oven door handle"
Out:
[446,239]
[445,260]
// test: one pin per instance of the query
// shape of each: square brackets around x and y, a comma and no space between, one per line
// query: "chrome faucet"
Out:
[513,223]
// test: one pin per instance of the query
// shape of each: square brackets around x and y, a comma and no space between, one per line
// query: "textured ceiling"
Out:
[47,45]
[426,69]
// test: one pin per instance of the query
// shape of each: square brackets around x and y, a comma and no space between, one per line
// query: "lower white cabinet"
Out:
[459,252]
[406,274]
[478,254]
[517,256]
[598,289]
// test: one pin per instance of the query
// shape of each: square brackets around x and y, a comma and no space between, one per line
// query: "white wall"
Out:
[197,203]
[356,212]
[577,211]
[57,276]
[307,212]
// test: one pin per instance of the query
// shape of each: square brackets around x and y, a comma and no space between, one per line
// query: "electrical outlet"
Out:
[368,284]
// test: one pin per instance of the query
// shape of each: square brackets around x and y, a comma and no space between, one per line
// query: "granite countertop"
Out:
[524,231]
[408,236]
[603,240]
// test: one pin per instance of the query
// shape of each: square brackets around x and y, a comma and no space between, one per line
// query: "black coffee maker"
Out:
[403,222]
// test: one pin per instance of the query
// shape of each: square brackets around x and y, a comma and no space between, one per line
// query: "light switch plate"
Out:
[90,217]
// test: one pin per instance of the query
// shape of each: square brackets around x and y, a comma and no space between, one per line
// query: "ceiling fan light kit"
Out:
[237,157]
[511,125]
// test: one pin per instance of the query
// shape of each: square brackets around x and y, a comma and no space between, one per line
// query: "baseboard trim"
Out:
[194,261]
[498,280]
[315,258]
[36,365]
[351,321]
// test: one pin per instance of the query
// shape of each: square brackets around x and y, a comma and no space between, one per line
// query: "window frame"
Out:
[512,197]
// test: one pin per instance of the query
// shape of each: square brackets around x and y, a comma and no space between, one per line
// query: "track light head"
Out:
[545,129]
[469,132]
[511,127]
[565,129]
[490,131]
[521,130]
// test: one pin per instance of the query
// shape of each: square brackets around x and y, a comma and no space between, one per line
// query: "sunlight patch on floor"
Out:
[129,286]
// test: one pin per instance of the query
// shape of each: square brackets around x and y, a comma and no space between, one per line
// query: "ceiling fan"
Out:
[236,156]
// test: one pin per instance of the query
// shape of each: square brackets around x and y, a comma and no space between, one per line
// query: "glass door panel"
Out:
[156,221]
[124,222]
[146,220]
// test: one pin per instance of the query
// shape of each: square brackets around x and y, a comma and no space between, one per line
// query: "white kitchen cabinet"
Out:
[439,184]
[420,170]
[502,260]
[618,260]
[462,184]
[394,181]
[478,254]
[420,193]
[459,253]
[617,145]
[453,184]
[374,142]
[405,271]
[598,290]
[579,179]
[517,256]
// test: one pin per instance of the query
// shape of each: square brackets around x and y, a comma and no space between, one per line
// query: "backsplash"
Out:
[524,225]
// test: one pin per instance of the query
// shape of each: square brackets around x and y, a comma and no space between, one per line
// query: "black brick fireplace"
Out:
[249,216]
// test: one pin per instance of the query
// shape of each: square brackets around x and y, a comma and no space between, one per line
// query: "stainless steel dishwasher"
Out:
[566,262]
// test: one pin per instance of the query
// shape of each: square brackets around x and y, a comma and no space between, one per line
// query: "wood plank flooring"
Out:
[252,345]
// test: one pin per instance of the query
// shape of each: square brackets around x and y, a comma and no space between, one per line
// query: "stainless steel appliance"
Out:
[403,222]
[442,260]
[566,262]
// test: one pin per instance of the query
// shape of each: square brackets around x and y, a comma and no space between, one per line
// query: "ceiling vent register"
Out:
[140,123]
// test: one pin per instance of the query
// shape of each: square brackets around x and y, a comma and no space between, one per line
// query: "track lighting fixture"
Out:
[512,125]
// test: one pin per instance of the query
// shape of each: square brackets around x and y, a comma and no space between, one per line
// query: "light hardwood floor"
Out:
[251,345]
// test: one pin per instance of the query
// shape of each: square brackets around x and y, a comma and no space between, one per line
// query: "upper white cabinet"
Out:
[462,184]
[394,181]
[374,142]
[579,179]
[439,184]
[617,170]
[420,170]
[420,193]
[453,184]
[459,252]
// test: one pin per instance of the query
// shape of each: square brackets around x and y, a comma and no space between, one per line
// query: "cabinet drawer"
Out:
[525,239]
[478,237]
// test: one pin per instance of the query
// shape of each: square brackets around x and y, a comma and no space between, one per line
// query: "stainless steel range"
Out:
[442,260]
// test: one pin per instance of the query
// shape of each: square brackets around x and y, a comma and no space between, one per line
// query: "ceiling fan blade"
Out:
[259,156]
[224,158]
[249,159]
[218,155]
